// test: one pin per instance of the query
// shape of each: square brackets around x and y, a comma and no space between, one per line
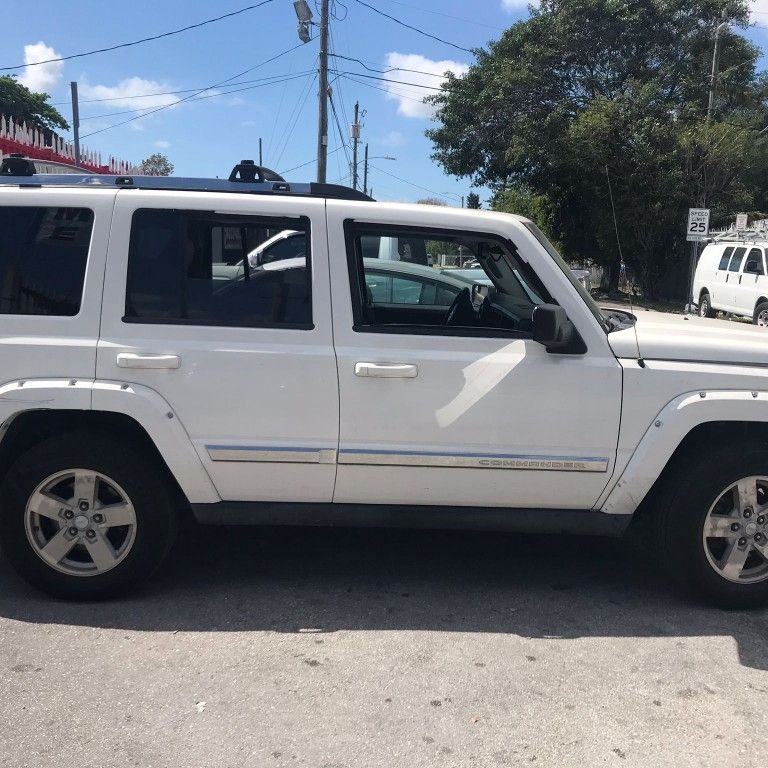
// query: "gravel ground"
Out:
[333,648]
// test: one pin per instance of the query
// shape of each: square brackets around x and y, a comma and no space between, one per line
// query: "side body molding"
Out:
[667,431]
[140,403]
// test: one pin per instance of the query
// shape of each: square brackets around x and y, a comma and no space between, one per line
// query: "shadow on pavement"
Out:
[324,580]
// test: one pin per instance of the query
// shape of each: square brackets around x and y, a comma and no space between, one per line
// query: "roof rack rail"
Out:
[264,182]
[739,235]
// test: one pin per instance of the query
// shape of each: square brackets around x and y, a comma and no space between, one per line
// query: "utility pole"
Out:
[261,162]
[76,121]
[355,134]
[715,67]
[365,171]
[322,128]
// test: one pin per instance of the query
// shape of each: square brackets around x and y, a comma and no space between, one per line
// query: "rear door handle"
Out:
[386,370]
[137,360]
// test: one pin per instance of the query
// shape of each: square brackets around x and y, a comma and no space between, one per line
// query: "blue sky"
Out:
[206,136]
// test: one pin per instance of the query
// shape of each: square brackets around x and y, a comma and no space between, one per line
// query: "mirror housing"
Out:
[551,327]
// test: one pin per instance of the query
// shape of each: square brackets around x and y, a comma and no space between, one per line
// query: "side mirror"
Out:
[551,326]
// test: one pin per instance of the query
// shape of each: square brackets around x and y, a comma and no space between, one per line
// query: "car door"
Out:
[750,286]
[243,359]
[715,282]
[731,287]
[441,414]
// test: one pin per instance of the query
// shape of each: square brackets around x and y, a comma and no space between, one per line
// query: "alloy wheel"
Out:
[80,522]
[735,533]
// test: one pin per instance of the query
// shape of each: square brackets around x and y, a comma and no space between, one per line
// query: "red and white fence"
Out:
[17,137]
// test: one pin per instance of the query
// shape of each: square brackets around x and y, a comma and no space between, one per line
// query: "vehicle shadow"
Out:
[325,580]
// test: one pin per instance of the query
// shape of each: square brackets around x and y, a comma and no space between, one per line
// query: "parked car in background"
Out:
[731,277]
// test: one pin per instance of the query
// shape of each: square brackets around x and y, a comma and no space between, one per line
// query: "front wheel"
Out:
[713,527]
[760,317]
[83,518]
[705,306]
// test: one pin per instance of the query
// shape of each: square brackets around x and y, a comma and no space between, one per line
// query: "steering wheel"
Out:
[461,311]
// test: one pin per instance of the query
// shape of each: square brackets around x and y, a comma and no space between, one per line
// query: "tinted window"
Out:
[736,259]
[180,270]
[725,258]
[291,247]
[754,262]
[471,282]
[43,253]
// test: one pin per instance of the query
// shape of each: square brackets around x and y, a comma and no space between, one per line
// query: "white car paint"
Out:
[260,414]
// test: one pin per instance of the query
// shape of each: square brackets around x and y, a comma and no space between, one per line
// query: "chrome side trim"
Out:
[474,460]
[277,454]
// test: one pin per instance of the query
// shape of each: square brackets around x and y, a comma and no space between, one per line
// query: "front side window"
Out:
[754,263]
[192,267]
[43,255]
[423,281]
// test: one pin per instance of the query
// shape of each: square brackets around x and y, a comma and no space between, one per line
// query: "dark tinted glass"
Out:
[736,259]
[754,264]
[180,271]
[725,258]
[43,253]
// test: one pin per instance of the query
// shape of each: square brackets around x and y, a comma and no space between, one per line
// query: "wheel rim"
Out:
[762,318]
[704,307]
[736,531]
[80,522]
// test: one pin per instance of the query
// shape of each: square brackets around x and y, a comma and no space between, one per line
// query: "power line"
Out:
[274,80]
[390,80]
[340,129]
[414,29]
[299,109]
[390,91]
[418,186]
[138,42]
[384,71]
[447,15]
[189,98]
[309,162]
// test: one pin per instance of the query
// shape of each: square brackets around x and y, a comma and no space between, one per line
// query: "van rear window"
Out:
[726,258]
[43,253]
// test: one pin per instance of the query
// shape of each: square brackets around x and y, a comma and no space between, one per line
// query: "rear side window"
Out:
[192,268]
[736,259]
[725,258]
[43,254]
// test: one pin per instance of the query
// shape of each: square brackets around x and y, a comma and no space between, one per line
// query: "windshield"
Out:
[558,259]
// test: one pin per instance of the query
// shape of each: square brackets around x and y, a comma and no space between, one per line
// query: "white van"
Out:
[731,277]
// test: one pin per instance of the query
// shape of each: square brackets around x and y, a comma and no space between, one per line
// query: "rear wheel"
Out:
[83,518]
[705,306]
[713,527]
[761,314]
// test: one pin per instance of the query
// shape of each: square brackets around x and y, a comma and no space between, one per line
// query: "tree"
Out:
[431,201]
[590,90]
[156,165]
[473,201]
[23,105]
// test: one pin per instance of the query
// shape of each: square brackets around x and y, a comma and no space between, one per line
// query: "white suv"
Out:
[137,387]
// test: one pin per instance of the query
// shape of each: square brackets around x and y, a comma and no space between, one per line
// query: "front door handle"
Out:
[138,360]
[386,370]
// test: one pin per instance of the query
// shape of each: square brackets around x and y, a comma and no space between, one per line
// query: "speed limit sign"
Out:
[698,224]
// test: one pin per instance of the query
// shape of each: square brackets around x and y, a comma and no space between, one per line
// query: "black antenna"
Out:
[640,360]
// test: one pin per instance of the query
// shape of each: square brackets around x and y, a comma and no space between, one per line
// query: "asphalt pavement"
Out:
[350,648]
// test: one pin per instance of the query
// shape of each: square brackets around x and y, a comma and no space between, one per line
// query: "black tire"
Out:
[679,521]
[761,308]
[144,483]
[705,306]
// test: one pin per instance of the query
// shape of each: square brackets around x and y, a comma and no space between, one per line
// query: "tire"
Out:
[107,552]
[761,314]
[705,306]
[705,496]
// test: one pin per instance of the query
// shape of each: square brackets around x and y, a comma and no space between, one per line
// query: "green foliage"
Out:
[156,165]
[587,90]
[23,105]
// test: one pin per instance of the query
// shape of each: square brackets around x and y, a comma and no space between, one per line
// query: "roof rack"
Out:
[739,235]
[246,178]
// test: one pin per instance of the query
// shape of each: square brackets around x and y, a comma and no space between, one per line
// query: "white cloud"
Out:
[43,76]
[410,98]
[393,139]
[125,93]
[759,12]
[162,144]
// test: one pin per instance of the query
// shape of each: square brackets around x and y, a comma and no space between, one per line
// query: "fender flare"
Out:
[142,404]
[667,431]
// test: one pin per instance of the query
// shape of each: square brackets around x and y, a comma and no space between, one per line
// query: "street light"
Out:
[365,167]
[304,15]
